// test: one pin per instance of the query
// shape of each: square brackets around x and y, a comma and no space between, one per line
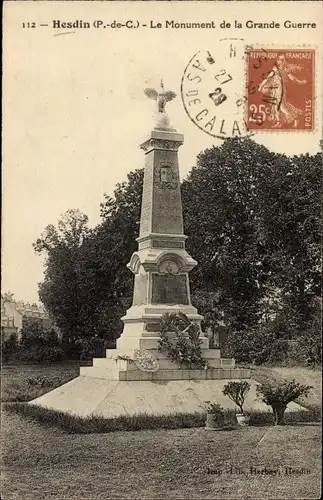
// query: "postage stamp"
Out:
[280,92]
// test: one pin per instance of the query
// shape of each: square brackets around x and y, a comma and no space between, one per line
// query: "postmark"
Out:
[213,89]
[280,93]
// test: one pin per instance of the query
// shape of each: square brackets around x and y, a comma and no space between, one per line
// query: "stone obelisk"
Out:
[161,265]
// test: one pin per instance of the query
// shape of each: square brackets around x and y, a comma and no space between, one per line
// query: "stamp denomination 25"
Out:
[280,89]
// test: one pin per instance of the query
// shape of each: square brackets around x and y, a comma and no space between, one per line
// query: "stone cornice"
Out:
[163,139]
[177,237]
[164,144]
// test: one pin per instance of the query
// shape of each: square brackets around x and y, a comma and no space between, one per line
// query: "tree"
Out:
[7,297]
[252,220]
[237,392]
[116,235]
[289,223]
[62,290]
[87,285]
[221,198]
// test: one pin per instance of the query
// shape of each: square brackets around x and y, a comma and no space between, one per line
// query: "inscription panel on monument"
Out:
[167,207]
[169,289]
[167,244]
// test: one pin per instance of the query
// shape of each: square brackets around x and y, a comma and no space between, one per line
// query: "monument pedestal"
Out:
[113,367]
[161,267]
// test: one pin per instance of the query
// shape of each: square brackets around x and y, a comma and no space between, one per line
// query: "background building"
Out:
[15,313]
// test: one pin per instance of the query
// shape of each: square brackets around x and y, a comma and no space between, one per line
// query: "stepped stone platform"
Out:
[91,396]
[114,387]
[111,368]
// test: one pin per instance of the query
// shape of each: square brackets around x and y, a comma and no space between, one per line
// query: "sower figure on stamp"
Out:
[274,88]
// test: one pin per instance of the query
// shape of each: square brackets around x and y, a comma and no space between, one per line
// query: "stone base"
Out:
[112,368]
[86,396]
[176,374]
[114,386]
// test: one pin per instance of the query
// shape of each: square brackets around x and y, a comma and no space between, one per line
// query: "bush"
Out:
[251,346]
[258,345]
[307,349]
[30,388]
[39,345]
[90,347]
[9,348]
[278,396]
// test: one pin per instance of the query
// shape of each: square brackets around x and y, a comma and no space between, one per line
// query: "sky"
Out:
[74,110]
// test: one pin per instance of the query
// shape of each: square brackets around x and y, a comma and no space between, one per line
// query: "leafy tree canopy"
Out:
[252,220]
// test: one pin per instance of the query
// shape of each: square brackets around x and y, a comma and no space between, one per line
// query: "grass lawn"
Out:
[46,463]
[41,462]
[25,382]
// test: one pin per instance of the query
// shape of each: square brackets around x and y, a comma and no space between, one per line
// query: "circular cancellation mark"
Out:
[213,89]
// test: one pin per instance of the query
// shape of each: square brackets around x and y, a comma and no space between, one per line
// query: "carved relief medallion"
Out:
[145,360]
[166,178]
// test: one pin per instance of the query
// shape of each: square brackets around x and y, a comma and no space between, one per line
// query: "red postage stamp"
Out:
[280,89]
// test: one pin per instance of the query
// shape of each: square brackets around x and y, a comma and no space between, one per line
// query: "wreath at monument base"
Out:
[180,339]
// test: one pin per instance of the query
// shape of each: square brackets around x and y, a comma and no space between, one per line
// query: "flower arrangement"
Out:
[180,339]
[214,408]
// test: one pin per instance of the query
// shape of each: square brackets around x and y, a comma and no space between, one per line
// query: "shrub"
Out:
[90,347]
[39,345]
[251,346]
[278,396]
[30,388]
[261,344]
[307,349]
[9,347]
[237,392]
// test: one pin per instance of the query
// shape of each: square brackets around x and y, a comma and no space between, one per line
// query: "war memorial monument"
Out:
[120,383]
